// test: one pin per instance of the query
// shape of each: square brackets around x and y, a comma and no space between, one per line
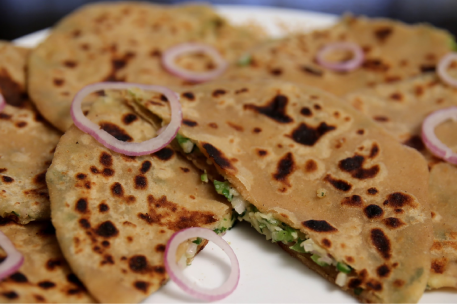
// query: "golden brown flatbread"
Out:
[45,276]
[393,51]
[114,214]
[317,168]
[123,42]
[27,144]
[401,109]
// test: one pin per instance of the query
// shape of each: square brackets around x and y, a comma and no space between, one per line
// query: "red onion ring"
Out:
[14,258]
[107,140]
[344,66]
[2,102]
[429,137]
[170,55]
[444,63]
[185,284]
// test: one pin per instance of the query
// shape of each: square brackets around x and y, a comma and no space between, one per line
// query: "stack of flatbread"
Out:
[329,165]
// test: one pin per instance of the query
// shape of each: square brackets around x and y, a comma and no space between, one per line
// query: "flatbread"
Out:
[393,51]
[45,276]
[401,109]
[279,143]
[114,214]
[123,42]
[27,144]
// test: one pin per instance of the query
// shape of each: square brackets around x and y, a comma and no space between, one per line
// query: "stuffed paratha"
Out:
[312,173]
[401,109]
[27,144]
[114,214]
[393,51]
[45,276]
[123,42]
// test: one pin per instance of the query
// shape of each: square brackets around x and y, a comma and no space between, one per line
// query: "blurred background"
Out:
[21,17]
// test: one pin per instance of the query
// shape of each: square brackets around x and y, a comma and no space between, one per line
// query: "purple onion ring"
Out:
[349,65]
[126,148]
[170,55]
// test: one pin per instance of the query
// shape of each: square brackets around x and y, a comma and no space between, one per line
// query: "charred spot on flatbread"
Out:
[306,111]
[12,92]
[427,68]
[18,277]
[166,213]
[375,65]
[117,190]
[275,109]
[141,182]
[5,116]
[46,284]
[319,226]
[116,131]
[308,135]
[145,166]
[219,92]
[107,229]
[374,285]
[285,168]
[142,286]
[311,166]
[11,295]
[103,207]
[106,159]
[353,201]
[218,156]
[381,243]
[373,211]
[383,271]
[415,142]
[7,179]
[81,205]
[312,71]
[393,222]
[398,200]
[189,123]
[383,33]
[235,126]
[81,176]
[139,264]
[261,152]
[164,154]
[189,96]
[439,265]
[372,191]
[84,223]
[129,118]
[339,184]
[53,263]
[354,166]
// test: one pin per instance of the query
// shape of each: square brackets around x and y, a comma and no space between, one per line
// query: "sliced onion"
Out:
[2,102]
[430,139]
[349,65]
[442,69]
[126,148]
[176,274]
[14,258]
[170,55]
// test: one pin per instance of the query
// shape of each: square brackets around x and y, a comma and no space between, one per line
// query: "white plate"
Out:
[268,274]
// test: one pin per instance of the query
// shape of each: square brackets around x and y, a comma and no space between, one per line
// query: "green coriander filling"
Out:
[277,231]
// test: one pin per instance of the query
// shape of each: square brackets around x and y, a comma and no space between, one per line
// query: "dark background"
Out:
[21,17]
